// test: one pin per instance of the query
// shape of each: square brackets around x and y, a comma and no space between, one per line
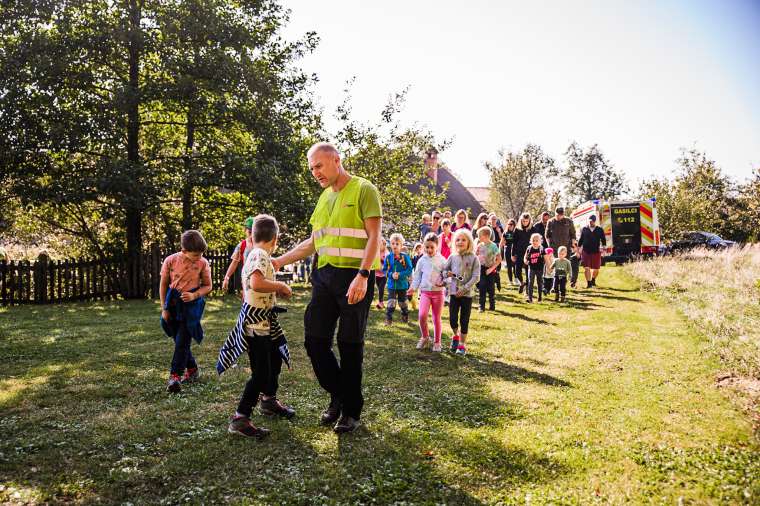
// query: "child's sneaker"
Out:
[522,288]
[461,350]
[388,322]
[242,426]
[173,384]
[562,299]
[404,318]
[191,375]
[273,407]
[454,343]
[423,342]
[436,347]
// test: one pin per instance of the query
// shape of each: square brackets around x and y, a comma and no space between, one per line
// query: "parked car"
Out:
[691,240]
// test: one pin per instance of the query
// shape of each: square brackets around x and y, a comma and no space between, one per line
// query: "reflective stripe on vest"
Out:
[341,252]
[358,233]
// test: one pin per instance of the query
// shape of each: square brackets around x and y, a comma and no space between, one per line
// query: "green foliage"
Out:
[519,181]
[391,157]
[701,197]
[126,111]
[589,175]
[749,207]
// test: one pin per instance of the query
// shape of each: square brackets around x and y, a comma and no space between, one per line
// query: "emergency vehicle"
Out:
[631,227]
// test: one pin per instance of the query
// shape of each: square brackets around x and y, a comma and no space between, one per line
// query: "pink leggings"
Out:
[428,300]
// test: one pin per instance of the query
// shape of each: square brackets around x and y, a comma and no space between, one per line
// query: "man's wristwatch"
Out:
[364,273]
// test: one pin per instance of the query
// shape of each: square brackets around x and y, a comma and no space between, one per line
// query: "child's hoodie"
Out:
[402,265]
[427,274]
[466,269]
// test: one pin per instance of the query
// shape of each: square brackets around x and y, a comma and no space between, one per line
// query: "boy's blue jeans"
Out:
[183,357]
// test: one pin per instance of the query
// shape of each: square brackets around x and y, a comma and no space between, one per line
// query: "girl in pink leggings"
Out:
[427,279]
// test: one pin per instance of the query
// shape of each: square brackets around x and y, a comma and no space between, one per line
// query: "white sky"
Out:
[641,79]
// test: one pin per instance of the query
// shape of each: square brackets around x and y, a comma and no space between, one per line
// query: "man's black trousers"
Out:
[328,309]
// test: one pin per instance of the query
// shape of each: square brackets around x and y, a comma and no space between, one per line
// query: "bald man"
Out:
[345,237]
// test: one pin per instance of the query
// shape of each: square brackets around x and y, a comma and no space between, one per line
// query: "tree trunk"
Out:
[187,188]
[134,206]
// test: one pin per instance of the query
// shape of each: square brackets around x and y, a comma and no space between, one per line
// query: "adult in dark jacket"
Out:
[540,228]
[560,231]
[591,241]
[520,243]
[506,247]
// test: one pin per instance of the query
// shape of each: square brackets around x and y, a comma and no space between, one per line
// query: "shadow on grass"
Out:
[106,431]
[523,317]
[578,303]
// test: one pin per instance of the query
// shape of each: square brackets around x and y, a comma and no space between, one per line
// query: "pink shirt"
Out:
[185,274]
[445,240]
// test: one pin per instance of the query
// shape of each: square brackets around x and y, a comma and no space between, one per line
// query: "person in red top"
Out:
[446,239]
[240,254]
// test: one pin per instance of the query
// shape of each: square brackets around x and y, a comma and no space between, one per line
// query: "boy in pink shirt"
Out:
[185,279]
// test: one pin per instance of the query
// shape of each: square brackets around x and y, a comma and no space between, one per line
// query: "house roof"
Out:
[482,193]
[457,196]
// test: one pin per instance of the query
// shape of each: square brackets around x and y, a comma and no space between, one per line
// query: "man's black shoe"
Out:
[346,424]
[273,407]
[332,413]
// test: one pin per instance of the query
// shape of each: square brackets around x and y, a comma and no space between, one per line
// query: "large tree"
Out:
[520,181]
[700,197]
[130,106]
[588,175]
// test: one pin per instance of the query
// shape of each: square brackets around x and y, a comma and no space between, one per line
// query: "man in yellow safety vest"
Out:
[345,236]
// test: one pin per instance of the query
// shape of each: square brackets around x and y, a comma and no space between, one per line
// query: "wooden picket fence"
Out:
[47,281]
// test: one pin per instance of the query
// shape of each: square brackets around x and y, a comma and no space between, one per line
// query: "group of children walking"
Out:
[439,279]
[546,272]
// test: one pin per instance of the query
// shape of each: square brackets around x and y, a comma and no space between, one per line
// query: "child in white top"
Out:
[548,270]
[427,279]
[260,289]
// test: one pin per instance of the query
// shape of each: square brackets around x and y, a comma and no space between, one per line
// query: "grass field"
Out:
[609,399]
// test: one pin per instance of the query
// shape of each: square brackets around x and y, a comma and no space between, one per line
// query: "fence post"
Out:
[4,281]
[155,270]
[40,278]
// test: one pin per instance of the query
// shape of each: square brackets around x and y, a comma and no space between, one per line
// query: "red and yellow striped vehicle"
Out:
[631,227]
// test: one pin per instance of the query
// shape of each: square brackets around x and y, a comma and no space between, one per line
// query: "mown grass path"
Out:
[608,399]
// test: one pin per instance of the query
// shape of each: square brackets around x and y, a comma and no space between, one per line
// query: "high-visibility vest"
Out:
[339,236]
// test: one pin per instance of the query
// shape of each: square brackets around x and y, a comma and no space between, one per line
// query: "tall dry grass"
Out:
[720,292]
